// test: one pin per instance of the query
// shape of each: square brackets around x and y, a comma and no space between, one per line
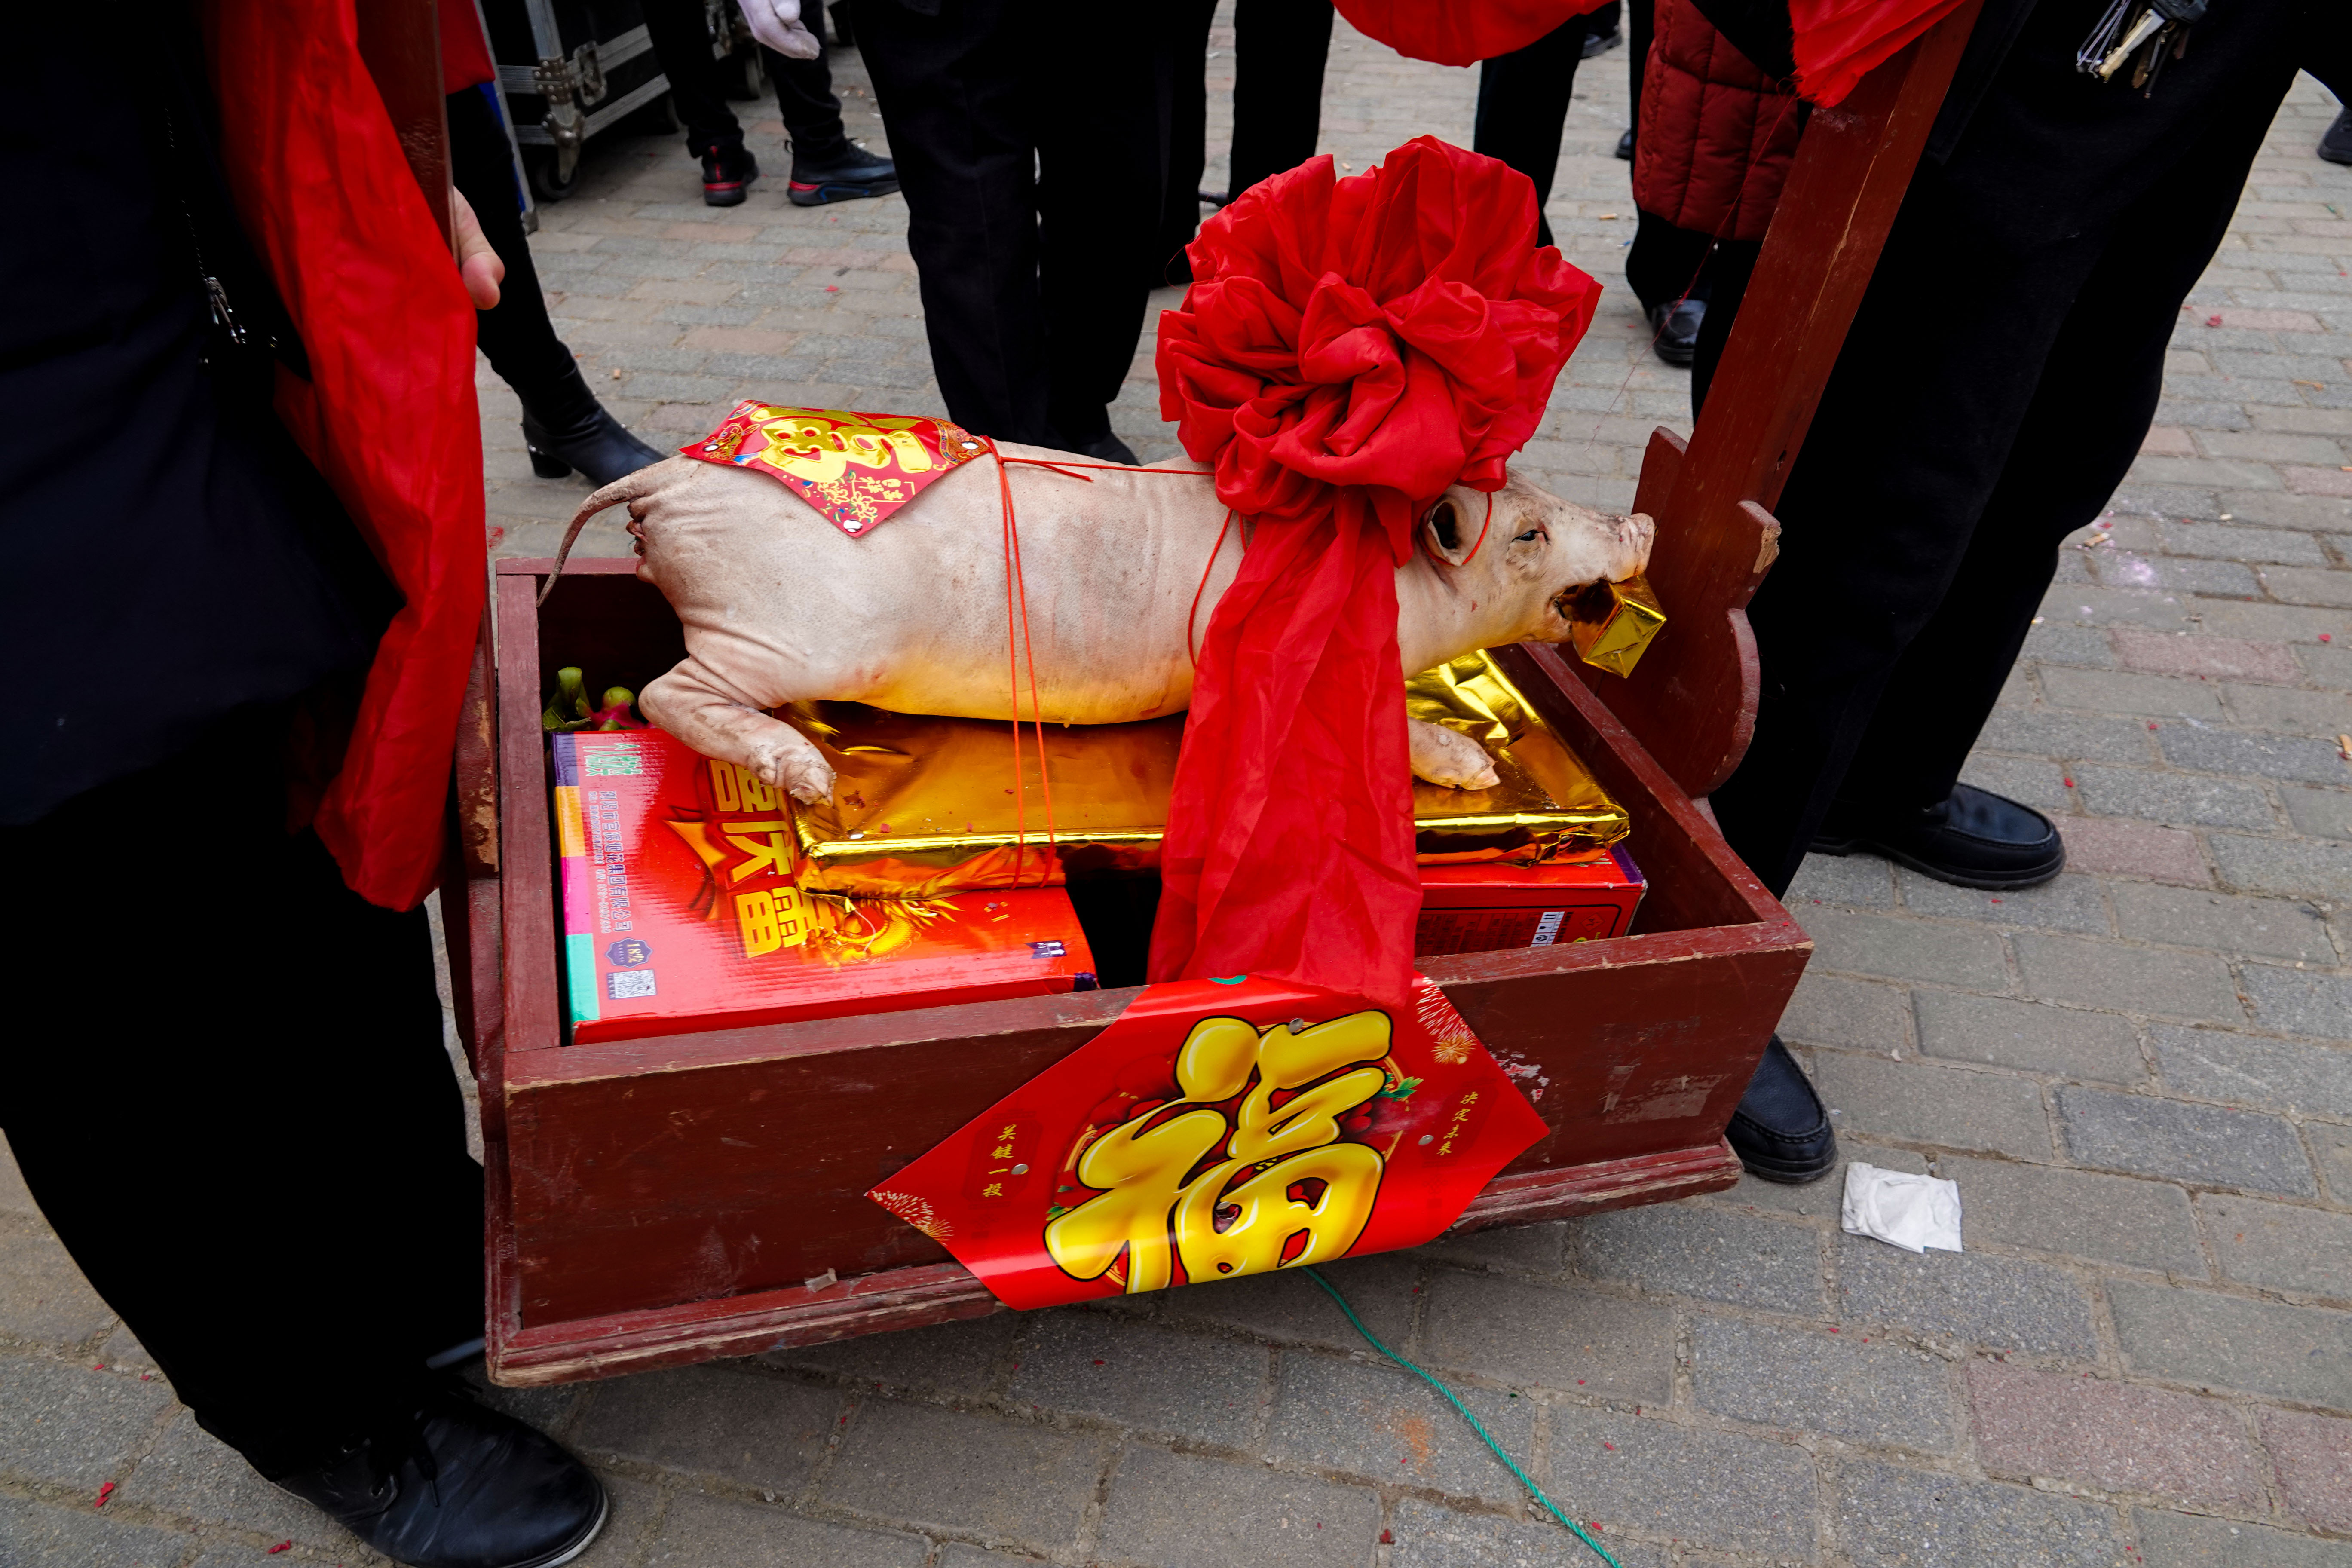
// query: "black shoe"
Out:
[1780,1132]
[1676,326]
[565,428]
[1975,840]
[1601,43]
[1625,146]
[460,1486]
[2335,146]
[727,171]
[855,172]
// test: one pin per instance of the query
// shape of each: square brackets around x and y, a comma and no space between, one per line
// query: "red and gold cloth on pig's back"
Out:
[855,468]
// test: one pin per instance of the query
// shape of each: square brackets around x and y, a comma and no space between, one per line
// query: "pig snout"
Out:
[1635,535]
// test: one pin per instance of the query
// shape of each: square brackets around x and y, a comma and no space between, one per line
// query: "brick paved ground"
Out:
[2141,1076]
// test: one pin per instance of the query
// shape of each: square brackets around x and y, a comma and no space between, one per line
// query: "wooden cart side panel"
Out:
[526,845]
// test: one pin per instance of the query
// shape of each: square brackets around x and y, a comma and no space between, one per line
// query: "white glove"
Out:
[777,24]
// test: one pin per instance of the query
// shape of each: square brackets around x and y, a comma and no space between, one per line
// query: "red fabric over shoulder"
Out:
[1460,32]
[1717,134]
[388,415]
[465,52]
[1350,348]
[1837,42]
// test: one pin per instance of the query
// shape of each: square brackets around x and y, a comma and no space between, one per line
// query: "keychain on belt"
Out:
[2151,30]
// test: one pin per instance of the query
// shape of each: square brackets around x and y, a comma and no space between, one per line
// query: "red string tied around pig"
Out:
[1350,348]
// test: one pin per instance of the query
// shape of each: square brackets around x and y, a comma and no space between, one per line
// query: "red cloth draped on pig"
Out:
[1352,347]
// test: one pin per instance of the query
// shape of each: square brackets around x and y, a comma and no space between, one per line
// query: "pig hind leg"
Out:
[719,723]
[1449,757]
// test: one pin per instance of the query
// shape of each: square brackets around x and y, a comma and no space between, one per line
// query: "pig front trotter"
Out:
[718,723]
[1448,757]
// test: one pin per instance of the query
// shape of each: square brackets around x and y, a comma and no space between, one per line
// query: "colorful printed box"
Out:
[679,910]
[1481,908]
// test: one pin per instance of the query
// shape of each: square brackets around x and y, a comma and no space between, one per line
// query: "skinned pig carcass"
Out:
[780,606]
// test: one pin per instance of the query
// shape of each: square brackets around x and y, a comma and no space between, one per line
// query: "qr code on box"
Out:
[624,983]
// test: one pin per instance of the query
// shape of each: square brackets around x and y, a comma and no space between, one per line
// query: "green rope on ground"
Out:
[1476,1424]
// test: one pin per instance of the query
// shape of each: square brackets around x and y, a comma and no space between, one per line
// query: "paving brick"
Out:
[2334,1147]
[1809,1380]
[2074,736]
[1951,1108]
[2112,1219]
[1976,1298]
[710,1530]
[2228,541]
[42,1295]
[1374,1420]
[2289,866]
[2239,753]
[2031,779]
[1827,1011]
[37,1534]
[1713,1488]
[960,1358]
[1179,1510]
[2107,974]
[1288,1309]
[1528,1248]
[2326,812]
[1860,881]
[1428,1535]
[2186,1541]
[2175,799]
[1204,1387]
[2195,917]
[2068,903]
[1825,1195]
[191,1474]
[1533,1336]
[2301,1354]
[2280,1246]
[756,1428]
[2309,584]
[1715,1254]
[2072,1427]
[2313,1456]
[1948,953]
[60,1422]
[1009,1482]
[2281,1075]
[2032,1035]
[2133,849]
[2123,691]
[2288,708]
[2206,1144]
[1888,1518]
[2299,1001]
[2052,643]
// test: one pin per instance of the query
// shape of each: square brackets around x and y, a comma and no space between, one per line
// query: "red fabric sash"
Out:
[1460,32]
[388,414]
[1836,42]
[1351,349]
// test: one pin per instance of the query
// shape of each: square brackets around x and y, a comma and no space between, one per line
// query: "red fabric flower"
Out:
[1350,348]
[1460,32]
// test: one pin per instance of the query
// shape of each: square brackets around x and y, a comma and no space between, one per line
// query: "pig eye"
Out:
[1531,534]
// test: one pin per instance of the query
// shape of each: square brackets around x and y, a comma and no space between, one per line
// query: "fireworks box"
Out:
[680,913]
[1483,909]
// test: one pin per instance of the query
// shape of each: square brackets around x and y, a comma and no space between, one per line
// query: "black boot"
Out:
[727,171]
[2335,146]
[1676,326]
[1780,1132]
[853,172]
[1974,839]
[566,428]
[456,1486]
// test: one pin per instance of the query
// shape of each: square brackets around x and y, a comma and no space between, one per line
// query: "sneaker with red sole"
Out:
[854,172]
[727,171]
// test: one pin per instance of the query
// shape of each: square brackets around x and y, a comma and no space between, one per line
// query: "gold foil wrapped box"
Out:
[1611,623]
[923,805]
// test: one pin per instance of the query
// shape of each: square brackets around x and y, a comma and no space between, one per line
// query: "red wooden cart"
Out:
[664,1201]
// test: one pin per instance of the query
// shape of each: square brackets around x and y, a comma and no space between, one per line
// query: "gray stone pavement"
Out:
[2140,1076]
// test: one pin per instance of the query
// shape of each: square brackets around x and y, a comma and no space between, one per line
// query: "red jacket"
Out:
[1717,135]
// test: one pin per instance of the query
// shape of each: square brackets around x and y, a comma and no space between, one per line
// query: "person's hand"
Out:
[777,24]
[477,265]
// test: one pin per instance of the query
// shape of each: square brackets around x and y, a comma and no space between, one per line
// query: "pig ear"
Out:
[1444,529]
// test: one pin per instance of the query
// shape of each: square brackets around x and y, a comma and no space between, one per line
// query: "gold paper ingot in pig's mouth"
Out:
[1611,623]
[924,806]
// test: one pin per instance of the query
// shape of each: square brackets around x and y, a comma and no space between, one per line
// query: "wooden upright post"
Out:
[400,42]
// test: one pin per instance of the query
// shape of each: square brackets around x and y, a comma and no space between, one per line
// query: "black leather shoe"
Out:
[727,171]
[458,1486]
[565,428]
[2337,145]
[1780,1132]
[1975,840]
[1625,146]
[1676,326]
[855,172]
[1601,43]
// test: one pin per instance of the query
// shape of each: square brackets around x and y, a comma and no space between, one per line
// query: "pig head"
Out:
[780,606]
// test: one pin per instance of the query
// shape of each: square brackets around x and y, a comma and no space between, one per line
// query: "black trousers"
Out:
[1279,50]
[240,1117]
[804,99]
[1523,100]
[1996,385]
[1032,149]
[516,333]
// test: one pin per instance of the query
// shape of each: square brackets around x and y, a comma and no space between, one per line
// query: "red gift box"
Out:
[1479,909]
[680,913]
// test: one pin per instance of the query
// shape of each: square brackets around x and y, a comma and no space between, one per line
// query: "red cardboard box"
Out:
[1482,909]
[680,913]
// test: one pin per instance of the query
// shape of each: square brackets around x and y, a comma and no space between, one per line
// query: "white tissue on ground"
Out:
[1911,1212]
